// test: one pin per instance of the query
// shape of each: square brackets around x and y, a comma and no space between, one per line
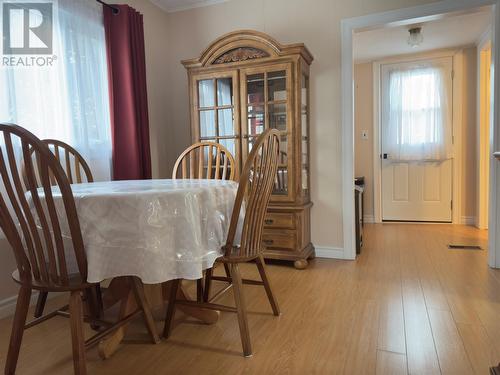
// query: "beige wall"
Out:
[469,133]
[7,265]
[363,115]
[363,121]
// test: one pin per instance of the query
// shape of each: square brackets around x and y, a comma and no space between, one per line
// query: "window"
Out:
[69,100]
[421,106]
[416,113]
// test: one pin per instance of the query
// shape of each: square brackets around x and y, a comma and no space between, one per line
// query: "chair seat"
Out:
[74,283]
[237,255]
[237,258]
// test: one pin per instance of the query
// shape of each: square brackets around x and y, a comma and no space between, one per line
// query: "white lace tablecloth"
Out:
[158,230]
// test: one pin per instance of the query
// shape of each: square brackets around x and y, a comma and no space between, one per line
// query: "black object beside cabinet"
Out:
[359,188]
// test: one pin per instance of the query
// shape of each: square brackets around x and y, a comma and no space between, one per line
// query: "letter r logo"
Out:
[27,28]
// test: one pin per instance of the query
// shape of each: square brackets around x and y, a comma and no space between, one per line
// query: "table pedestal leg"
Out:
[119,290]
[204,315]
[108,346]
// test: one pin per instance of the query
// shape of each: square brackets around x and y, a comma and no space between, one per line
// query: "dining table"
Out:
[157,230]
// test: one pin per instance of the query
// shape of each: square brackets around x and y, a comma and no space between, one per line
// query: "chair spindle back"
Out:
[255,187]
[206,160]
[30,217]
[71,160]
[76,168]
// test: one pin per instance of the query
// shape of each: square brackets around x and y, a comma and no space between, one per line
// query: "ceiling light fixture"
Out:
[416,38]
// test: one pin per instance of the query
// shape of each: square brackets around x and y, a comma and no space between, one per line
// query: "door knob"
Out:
[496,154]
[385,156]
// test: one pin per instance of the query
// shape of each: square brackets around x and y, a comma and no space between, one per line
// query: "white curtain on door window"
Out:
[68,101]
[416,111]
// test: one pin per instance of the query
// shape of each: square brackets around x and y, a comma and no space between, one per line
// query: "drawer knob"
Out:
[268,242]
[268,221]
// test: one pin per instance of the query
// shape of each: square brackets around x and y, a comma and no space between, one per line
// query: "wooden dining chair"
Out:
[74,164]
[206,160]
[77,170]
[254,191]
[33,225]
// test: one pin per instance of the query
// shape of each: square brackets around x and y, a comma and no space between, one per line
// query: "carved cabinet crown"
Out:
[243,45]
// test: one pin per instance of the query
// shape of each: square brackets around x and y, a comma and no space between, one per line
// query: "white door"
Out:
[416,134]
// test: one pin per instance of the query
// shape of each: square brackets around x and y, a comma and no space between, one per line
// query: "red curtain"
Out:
[128,93]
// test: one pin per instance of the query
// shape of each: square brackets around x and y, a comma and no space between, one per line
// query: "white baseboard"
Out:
[8,305]
[468,220]
[369,219]
[329,252]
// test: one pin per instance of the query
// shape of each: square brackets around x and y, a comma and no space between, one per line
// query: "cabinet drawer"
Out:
[279,220]
[280,239]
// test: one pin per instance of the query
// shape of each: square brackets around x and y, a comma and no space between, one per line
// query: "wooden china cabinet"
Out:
[243,83]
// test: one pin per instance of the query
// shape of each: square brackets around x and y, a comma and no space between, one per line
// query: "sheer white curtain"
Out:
[416,113]
[68,101]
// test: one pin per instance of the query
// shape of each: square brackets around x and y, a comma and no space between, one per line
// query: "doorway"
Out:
[408,17]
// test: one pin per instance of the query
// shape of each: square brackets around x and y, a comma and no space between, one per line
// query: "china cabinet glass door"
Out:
[265,101]
[215,110]
[304,116]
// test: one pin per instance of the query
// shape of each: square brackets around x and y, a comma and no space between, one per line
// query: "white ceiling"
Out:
[178,5]
[452,31]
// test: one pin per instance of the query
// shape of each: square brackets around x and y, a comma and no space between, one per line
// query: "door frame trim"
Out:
[482,44]
[407,16]
[456,55]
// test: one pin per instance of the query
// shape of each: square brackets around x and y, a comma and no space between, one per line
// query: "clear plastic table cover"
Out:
[158,230]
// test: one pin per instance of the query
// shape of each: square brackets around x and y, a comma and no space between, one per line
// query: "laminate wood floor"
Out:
[408,305]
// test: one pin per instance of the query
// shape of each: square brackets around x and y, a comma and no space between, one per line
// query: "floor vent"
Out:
[464,247]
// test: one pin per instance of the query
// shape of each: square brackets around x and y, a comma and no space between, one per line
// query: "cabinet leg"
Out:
[301,264]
